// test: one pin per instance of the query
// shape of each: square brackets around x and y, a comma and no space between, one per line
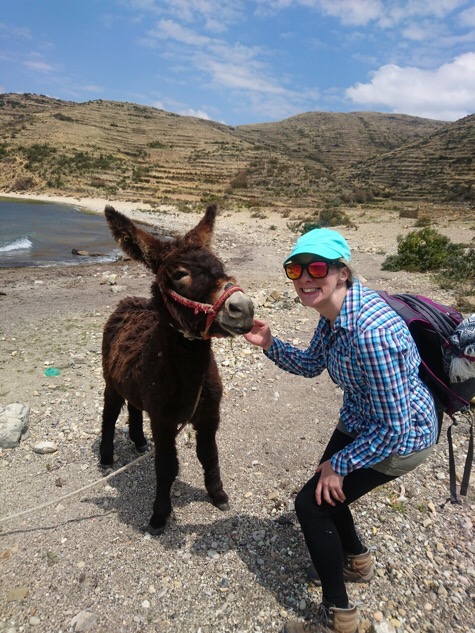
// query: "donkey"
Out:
[157,355]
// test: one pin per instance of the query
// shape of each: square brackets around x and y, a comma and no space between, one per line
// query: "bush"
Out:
[422,251]
[329,216]
[23,183]
[460,272]
[240,181]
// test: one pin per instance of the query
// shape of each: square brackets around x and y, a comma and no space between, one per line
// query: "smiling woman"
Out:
[47,234]
[387,424]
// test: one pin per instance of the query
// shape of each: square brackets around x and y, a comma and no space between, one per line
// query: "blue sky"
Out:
[241,62]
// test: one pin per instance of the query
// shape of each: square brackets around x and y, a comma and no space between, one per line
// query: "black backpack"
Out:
[431,324]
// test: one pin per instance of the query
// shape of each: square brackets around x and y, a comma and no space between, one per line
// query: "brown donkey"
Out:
[157,352]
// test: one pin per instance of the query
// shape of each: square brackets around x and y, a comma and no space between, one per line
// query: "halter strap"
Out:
[211,310]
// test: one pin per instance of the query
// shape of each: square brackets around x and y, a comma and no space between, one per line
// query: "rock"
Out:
[44,448]
[74,251]
[84,621]
[13,424]
[382,627]
[17,594]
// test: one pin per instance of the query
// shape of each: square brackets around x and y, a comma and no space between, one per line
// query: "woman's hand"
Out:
[330,485]
[260,334]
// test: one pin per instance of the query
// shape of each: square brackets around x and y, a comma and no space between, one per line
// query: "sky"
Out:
[238,62]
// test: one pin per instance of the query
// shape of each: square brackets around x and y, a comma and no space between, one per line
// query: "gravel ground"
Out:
[86,562]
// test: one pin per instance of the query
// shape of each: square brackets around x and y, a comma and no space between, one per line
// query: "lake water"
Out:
[44,234]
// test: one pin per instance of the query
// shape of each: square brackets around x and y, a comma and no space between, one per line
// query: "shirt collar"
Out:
[351,307]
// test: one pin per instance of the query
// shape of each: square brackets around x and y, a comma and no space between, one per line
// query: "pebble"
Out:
[44,448]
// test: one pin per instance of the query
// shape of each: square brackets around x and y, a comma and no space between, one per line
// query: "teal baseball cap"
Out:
[324,243]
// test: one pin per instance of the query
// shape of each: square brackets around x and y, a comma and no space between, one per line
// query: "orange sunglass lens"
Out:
[293,271]
[318,269]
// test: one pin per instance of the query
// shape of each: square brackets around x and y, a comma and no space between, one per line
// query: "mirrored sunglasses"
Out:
[317,270]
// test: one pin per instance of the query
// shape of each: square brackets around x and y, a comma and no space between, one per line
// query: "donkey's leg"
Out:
[166,469]
[112,405]
[136,428]
[206,422]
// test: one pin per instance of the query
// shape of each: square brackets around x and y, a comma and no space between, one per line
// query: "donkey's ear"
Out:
[202,234]
[135,242]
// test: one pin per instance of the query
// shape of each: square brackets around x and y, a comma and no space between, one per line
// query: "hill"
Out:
[441,165]
[105,148]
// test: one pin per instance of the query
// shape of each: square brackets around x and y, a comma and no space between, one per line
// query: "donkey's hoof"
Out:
[142,449]
[155,531]
[157,526]
[106,462]
[220,500]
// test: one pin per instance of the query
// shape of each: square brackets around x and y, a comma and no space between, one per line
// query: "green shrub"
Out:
[422,251]
[329,216]
[460,271]
[423,220]
[38,152]
[63,117]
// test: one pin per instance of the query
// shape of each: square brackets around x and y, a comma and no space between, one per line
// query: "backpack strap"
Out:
[468,460]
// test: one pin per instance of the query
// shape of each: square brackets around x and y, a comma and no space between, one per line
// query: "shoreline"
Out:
[165,216]
[95,205]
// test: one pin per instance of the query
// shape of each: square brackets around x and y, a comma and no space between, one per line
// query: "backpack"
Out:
[431,325]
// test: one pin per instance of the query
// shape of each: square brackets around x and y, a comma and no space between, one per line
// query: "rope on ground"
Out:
[76,492]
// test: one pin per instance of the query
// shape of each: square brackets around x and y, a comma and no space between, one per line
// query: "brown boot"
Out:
[357,568]
[331,620]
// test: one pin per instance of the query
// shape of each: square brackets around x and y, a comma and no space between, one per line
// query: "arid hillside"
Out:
[104,148]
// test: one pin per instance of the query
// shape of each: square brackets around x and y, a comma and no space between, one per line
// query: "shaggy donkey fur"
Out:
[157,352]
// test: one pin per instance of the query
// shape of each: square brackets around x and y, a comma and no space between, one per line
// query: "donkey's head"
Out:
[190,281]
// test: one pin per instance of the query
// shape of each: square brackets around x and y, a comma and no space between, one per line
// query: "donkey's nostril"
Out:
[235,308]
[238,306]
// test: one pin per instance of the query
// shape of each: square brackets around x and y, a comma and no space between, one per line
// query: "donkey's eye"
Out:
[179,274]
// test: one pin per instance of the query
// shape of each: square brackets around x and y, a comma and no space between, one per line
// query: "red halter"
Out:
[207,308]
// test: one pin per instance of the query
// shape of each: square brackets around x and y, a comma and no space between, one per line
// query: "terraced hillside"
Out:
[114,148]
[440,165]
[104,148]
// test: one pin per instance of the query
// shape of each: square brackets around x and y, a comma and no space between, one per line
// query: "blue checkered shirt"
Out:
[371,355]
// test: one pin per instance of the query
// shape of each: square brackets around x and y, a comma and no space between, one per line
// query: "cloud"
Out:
[467,18]
[14,33]
[169,29]
[446,93]
[199,114]
[385,13]
[214,15]
[39,66]
[92,88]
[227,66]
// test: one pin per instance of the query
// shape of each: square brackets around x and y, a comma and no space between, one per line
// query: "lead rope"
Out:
[102,479]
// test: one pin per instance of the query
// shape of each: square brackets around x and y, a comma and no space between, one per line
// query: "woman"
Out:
[388,421]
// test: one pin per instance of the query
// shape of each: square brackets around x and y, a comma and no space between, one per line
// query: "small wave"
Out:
[20,244]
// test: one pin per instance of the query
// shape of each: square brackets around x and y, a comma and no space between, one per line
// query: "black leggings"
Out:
[329,531]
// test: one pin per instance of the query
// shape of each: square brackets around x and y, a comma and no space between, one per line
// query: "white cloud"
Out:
[168,29]
[386,13]
[13,33]
[446,93]
[215,15]
[357,12]
[467,18]
[39,66]
[92,88]
[200,114]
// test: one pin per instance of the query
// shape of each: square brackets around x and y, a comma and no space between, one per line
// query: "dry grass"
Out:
[306,162]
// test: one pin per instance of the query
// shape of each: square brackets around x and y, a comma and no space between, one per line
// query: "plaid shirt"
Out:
[371,355]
